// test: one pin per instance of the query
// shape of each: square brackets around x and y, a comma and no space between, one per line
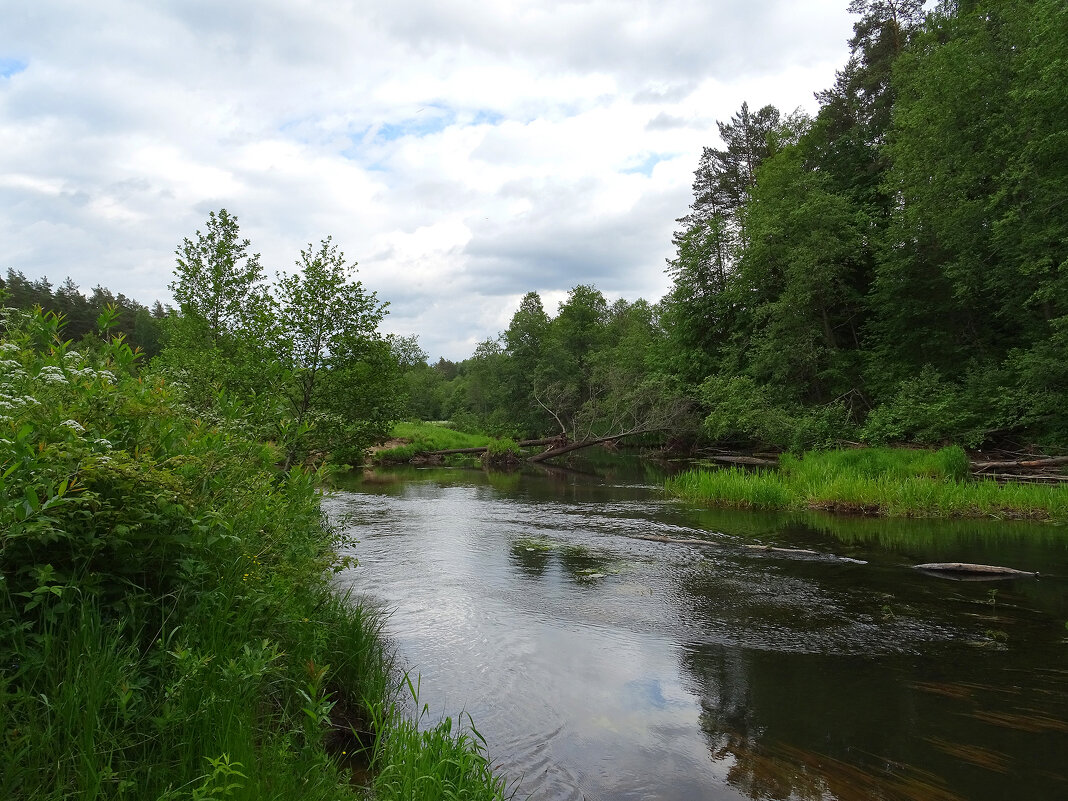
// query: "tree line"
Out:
[891,269]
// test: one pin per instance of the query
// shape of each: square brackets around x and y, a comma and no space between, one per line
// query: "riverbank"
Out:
[873,481]
[169,628]
[411,438]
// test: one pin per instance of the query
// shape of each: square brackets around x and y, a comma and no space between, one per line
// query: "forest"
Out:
[890,270]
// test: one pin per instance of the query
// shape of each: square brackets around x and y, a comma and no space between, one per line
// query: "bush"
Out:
[926,410]
[168,629]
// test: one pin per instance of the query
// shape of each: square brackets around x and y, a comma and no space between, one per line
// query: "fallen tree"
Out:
[970,569]
[1039,464]
[558,446]
[527,443]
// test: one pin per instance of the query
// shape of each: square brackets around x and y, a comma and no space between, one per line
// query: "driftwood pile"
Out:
[1028,469]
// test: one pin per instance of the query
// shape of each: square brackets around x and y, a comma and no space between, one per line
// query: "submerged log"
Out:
[964,567]
[752,460]
[766,548]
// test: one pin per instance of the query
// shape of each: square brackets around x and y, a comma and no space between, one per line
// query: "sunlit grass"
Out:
[424,437]
[883,481]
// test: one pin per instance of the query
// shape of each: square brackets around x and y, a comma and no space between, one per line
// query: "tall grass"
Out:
[419,762]
[425,437]
[884,481]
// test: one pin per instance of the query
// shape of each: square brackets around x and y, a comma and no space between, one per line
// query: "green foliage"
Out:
[218,282]
[327,339]
[424,437]
[168,627]
[897,262]
[947,464]
[504,447]
[741,410]
[141,326]
[591,371]
[303,361]
[927,410]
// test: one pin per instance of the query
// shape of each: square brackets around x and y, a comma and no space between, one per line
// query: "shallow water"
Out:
[603,666]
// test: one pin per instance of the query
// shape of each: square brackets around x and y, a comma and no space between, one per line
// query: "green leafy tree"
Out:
[328,333]
[803,242]
[525,344]
[218,282]
[221,344]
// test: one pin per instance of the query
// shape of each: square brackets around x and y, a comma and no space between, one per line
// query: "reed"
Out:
[420,761]
[880,481]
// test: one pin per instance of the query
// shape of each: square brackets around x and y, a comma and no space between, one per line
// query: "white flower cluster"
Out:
[8,347]
[74,425]
[13,403]
[88,372]
[72,355]
[52,375]
[103,443]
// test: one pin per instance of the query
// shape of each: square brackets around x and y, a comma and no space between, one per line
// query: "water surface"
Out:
[599,665]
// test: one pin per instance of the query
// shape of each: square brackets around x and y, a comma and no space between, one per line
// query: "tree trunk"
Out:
[574,446]
[1049,461]
[482,449]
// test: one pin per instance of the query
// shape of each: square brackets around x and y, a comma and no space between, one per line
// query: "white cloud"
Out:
[462,152]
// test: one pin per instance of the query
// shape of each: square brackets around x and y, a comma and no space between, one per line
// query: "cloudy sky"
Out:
[462,152]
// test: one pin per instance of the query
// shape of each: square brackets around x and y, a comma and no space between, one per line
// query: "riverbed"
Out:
[600,665]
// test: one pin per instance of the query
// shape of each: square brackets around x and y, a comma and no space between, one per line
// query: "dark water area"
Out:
[599,665]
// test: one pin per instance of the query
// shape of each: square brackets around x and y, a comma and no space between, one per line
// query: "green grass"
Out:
[417,762]
[424,437]
[881,481]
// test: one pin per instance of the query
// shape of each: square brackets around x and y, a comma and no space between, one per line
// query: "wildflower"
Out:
[73,425]
[9,347]
[103,443]
[10,364]
[71,355]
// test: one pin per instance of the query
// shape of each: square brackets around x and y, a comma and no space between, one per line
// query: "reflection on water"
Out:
[600,665]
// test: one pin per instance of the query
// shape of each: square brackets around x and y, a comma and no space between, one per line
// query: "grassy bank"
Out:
[880,481]
[168,629]
[425,436]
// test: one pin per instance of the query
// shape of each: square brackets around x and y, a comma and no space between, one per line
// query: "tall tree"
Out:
[699,311]
[218,281]
[328,324]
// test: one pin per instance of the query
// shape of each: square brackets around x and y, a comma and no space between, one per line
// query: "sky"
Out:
[461,153]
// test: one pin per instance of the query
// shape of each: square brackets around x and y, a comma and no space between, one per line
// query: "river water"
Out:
[599,665]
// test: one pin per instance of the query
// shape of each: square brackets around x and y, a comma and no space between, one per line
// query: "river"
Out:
[602,666]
